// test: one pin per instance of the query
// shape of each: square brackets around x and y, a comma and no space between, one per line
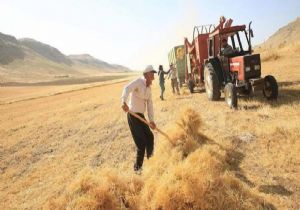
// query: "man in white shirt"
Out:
[141,98]
[174,82]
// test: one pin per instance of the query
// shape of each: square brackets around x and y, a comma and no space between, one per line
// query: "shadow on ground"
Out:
[199,90]
[234,158]
[274,189]
[289,83]
[285,97]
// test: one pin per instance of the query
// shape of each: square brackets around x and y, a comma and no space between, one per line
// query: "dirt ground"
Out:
[48,135]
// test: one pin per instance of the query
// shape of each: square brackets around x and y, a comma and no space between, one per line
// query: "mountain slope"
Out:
[10,49]
[285,36]
[90,61]
[45,50]
[28,60]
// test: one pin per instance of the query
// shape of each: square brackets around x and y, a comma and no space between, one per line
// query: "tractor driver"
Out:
[226,51]
[226,48]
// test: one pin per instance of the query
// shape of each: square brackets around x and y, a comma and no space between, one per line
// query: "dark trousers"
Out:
[162,89]
[143,139]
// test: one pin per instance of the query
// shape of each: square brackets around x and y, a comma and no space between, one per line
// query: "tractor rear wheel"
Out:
[212,86]
[270,90]
[230,95]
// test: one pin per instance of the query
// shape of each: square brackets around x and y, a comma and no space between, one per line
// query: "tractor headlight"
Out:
[248,68]
[257,67]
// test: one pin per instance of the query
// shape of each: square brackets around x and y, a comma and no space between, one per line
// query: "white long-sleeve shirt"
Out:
[141,97]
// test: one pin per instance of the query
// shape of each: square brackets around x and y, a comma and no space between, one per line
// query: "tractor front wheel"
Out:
[212,86]
[270,90]
[230,95]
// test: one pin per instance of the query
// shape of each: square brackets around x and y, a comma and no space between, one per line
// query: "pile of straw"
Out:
[188,171]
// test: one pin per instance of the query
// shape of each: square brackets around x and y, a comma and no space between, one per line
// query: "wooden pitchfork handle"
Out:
[147,123]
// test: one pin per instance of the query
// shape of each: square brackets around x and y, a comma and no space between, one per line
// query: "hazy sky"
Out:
[134,33]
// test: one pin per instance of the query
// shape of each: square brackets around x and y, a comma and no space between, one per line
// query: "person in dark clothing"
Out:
[141,97]
[143,139]
[161,75]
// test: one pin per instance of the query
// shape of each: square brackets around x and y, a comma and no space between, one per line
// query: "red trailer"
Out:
[197,52]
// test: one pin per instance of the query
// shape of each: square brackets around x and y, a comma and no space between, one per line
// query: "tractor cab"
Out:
[230,52]
[237,37]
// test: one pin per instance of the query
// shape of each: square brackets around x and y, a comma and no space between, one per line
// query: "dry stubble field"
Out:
[45,143]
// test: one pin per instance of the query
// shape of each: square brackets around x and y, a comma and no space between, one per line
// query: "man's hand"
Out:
[125,107]
[152,125]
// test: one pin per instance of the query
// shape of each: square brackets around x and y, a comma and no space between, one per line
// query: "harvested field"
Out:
[74,149]
[71,81]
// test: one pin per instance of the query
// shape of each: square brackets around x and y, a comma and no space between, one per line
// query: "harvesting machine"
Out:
[236,73]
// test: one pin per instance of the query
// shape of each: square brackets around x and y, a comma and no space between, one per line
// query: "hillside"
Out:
[46,51]
[28,60]
[286,36]
[90,61]
[286,41]
[10,49]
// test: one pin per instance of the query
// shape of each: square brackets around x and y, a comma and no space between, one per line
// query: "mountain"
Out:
[45,50]
[28,60]
[120,67]
[10,49]
[88,60]
[286,36]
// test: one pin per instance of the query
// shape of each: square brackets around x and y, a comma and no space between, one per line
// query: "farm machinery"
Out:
[234,73]
[176,56]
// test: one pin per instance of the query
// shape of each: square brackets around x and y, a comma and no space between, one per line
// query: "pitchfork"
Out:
[147,123]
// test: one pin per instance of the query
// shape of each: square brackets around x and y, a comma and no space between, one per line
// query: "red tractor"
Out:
[230,68]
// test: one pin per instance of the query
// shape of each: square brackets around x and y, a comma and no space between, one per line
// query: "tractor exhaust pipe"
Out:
[250,36]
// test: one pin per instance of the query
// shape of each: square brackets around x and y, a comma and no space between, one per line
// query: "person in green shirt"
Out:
[161,75]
